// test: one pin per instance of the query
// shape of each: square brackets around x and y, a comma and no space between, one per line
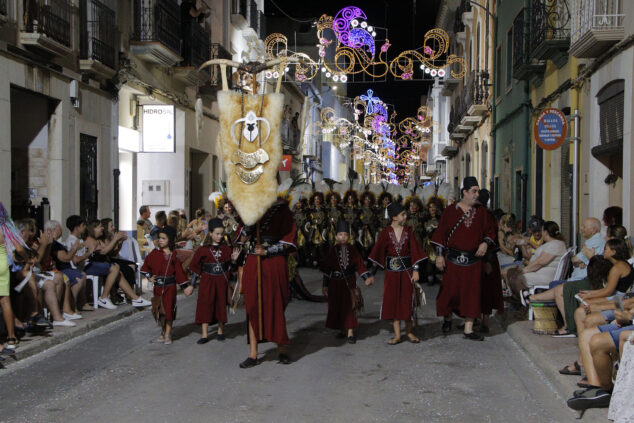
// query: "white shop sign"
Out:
[158,128]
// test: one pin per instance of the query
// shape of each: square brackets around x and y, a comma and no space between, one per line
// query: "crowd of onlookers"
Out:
[595,299]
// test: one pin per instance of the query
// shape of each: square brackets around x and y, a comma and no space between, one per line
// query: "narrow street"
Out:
[115,375]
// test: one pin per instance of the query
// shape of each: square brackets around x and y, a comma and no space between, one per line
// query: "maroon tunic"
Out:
[492,297]
[156,264]
[277,225]
[398,289]
[211,306]
[460,290]
[346,260]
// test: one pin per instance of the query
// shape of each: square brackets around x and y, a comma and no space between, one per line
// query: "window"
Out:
[509,57]
[477,63]
[611,109]
[498,70]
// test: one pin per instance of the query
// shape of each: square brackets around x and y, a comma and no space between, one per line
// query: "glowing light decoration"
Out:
[371,100]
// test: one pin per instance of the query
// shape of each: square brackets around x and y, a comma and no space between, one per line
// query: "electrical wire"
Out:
[290,17]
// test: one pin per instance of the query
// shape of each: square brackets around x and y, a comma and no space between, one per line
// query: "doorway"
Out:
[88,192]
[199,180]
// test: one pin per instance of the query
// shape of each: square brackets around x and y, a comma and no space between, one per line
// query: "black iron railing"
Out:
[199,47]
[51,18]
[458,26]
[458,110]
[158,20]
[219,52]
[520,50]
[98,32]
[3,7]
[477,90]
[550,20]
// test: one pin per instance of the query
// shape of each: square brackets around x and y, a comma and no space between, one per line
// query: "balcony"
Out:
[466,13]
[476,98]
[47,27]
[214,84]
[450,151]
[550,30]
[196,50]
[98,39]
[524,66]
[157,36]
[596,25]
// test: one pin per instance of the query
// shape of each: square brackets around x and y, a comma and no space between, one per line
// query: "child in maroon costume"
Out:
[212,262]
[398,252]
[339,266]
[165,272]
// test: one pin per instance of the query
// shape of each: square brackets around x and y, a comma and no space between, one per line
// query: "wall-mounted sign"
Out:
[285,165]
[550,129]
[158,128]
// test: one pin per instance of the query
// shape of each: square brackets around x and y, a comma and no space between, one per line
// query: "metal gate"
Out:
[88,193]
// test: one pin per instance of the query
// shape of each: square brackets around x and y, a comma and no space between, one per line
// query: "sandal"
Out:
[394,341]
[576,372]
[583,383]
[413,339]
[159,340]
[168,341]
[12,343]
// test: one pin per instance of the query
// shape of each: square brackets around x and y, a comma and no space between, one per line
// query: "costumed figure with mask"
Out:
[415,217]
[435,208]
[230,221]
[333,201]
[340,265]
[300,215]
[351,214]
[398,252]
[382,220]
[212,263]
[367,217]
[463,236]
[318,229]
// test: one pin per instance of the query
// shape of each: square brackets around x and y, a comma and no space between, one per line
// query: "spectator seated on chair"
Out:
[66,260]
[594,243]
[564,294]
[509,238]
[100,265]
[542,266]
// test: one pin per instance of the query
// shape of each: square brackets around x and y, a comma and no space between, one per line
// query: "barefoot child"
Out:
[165,272]
[212,262]
[398,252]
[339,266]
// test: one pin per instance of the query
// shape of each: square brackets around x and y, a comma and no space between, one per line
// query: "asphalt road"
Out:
[115,375]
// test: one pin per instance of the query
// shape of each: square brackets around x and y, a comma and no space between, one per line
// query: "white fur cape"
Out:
[250,201]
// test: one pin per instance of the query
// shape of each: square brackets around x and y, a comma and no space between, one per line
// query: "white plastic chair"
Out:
[95,288]
[562,272]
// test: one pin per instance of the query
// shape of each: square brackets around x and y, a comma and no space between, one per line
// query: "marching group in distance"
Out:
[472,251]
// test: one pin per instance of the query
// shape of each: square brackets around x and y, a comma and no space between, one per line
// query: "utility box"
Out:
[156,193]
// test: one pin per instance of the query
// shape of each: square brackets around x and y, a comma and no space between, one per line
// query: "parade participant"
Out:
[385,199]
[300,216]
[492,297]
[164,271]
[432,217]
[230,221]
[212,262]
[333,201]
[368,222]
[266,299]
[351,214]
[465,235]
[415,217]
[339,266]
[401,256]
[318,225]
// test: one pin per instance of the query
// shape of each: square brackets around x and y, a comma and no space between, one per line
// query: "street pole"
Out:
[575,178]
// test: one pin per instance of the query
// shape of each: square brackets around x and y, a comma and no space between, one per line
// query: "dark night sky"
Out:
[406,21]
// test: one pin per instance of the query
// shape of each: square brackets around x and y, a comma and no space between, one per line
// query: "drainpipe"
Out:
[496,87]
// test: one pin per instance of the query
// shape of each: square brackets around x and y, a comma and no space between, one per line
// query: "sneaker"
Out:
[524,294]
[106,303]
[141,302]
[73,316]
[39,320]
[66,323]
